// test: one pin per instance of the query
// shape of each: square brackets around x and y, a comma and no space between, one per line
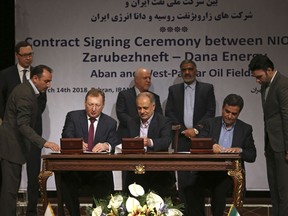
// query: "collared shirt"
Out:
[268,87]
[144,127]
[20,72]
[226,135]
[189,101]
[137,90]
[273,77]
[95,129]
[34,87]
[95,123]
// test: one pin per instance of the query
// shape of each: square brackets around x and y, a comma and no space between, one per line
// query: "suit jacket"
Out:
[126,109]
[159,131]
[242,136]
[9,79]
[76,126]
[275,110]
[18,130]
[204,107]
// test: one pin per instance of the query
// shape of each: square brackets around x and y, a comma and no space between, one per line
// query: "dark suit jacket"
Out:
[76,126]
[18,130]
[9,79]
[126,109]
[159,131]
[276,113]
[242,136]
[204,107]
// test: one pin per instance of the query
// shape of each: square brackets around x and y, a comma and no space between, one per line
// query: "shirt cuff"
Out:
[109,147]
[151,143]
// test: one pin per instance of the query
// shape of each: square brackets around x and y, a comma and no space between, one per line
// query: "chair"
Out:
[175,135]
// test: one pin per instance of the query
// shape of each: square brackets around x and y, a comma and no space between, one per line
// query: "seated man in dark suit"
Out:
[126,108]
[156,131]
[126,101]
[232,136]
[104,138]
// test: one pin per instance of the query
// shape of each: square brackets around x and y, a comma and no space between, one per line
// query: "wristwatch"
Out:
[196,131]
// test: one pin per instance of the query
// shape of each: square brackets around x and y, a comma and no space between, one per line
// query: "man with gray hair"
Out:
[126,108]
[155,129]
[126,101]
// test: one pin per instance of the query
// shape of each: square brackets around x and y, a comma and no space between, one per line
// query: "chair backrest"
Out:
[175,130]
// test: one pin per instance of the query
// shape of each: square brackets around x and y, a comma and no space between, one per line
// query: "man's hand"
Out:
[232,150]
[100,147]
[189,133]
[84,146]
[286,156]
[51,145]
[218,149]
[147,142]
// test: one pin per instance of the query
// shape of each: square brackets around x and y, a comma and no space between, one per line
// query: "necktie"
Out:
[266,92]
[91,134]
[24,78]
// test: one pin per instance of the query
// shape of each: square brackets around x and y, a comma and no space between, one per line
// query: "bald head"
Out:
[142,79]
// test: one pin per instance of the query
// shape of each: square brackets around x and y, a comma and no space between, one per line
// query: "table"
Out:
[139,163]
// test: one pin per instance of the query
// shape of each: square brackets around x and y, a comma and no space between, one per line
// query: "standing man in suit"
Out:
[232,136]
[126,108]
[274,93]
[156,132]
[9,79]
[104,139]
[18,134]
[189,103]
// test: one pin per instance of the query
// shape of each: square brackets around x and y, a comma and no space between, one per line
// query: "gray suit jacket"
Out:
[17,133]
[9,79]
[275,110]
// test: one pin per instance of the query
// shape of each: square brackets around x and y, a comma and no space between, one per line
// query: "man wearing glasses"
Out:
[9,79]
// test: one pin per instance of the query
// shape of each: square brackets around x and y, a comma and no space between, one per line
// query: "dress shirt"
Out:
[268,86]
[34,88]
[95,129]
[137,90]
[189,100]
[226,136]
[20,71]
[144,127]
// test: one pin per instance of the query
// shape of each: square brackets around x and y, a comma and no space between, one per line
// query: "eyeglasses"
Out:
[26,55]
